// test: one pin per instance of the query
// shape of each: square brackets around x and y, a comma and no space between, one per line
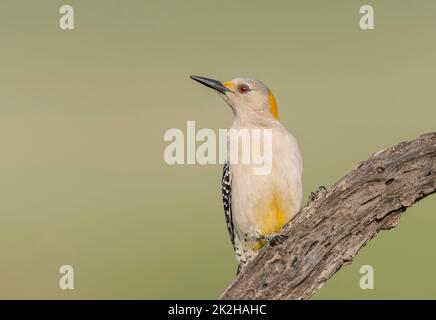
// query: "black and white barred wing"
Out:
[226,188]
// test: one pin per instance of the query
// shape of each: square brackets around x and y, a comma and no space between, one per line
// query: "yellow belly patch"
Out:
[272,219]
[257,245]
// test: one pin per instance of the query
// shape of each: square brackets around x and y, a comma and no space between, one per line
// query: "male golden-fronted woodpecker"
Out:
[258,206]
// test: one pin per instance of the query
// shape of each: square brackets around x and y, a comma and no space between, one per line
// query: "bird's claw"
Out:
[321,191]
[275,238]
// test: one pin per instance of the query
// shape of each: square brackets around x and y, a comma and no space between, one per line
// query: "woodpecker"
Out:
[257,207]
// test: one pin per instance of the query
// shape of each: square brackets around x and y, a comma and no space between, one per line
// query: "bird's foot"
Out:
[275,238]
[320,192]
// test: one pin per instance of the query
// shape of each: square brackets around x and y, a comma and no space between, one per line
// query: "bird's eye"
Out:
[243,88]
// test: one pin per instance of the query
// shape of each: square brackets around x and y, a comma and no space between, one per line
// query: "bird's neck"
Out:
[258,119]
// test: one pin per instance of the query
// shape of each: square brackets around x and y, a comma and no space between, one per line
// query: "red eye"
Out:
[243,88]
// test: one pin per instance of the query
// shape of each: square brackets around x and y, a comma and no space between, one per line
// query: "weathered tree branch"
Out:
[330,231]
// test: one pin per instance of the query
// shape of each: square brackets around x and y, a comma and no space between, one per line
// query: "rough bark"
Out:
[329,232]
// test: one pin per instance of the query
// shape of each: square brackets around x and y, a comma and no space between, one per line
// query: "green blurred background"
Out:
[83,114]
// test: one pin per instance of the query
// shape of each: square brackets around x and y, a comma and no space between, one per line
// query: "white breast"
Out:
[251,194]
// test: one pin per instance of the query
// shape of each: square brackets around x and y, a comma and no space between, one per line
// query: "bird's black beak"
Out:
[214,84]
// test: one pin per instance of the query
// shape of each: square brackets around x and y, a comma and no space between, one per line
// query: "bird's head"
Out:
[247,97]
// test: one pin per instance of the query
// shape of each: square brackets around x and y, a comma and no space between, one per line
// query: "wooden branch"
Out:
[329,232]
